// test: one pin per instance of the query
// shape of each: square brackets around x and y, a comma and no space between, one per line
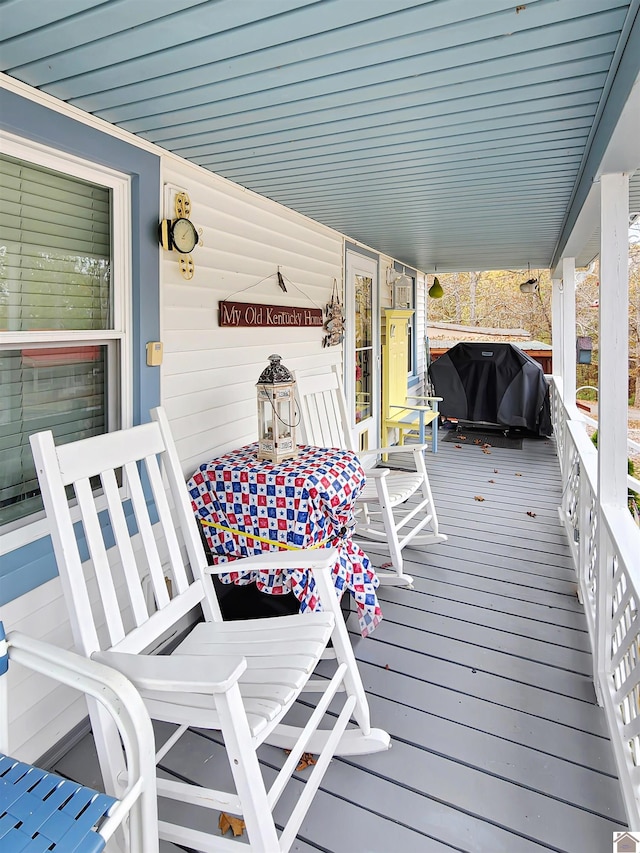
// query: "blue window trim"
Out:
[34,564]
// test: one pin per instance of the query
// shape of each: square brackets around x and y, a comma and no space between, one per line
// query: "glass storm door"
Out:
[362,362]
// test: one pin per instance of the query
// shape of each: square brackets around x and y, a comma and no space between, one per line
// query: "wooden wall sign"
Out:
[246,314]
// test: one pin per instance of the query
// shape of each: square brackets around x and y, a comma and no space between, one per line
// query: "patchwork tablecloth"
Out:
[248,506]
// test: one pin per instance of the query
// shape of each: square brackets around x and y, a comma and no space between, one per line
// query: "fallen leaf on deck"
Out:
[386,666]
[478,498]
[495,471]
[462,437]
[492,481]
[518,474]
[477,441]
[486,449]
[306,760]
[532,514]
[235,824]
[486,444]
[458,446]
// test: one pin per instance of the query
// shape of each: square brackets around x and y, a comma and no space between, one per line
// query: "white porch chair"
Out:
[52,813]
[239,678]
[382,512]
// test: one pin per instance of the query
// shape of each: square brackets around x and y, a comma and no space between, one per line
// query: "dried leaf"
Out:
[495,471]
[486,444]
[486,449]
[518,474]
[228,822]
[306,760]
[532,514]
[386,666]
[458,446]
[462,437]
[492,481]
[477,441]
[478,498]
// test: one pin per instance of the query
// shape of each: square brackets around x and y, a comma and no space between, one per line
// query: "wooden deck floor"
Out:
[482,676]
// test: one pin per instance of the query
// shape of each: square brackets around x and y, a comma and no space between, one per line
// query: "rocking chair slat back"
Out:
[323,413]
[123,541]
[122,570]
[145,529]
[98,554]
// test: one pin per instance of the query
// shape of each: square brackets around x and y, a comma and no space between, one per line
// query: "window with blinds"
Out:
[58,352]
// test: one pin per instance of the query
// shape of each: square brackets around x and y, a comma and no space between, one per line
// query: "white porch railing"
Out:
[605,543]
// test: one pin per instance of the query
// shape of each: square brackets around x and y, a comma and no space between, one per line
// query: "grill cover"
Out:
[494,384]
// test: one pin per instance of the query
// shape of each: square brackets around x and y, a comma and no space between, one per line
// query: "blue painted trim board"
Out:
[28,567]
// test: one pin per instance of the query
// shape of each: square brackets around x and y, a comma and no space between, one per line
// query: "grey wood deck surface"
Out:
[482,676]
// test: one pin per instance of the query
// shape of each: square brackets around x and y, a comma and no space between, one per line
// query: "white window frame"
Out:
[22,531]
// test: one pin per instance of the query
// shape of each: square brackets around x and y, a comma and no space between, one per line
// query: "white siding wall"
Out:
[40,711]
[209,372]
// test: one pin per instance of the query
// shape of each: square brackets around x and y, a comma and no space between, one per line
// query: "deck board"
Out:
[482,675]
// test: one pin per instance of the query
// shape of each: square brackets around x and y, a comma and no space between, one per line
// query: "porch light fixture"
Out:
[402,285]
[276,413]
[531,284]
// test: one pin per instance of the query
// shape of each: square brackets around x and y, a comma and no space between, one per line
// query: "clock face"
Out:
[184,235]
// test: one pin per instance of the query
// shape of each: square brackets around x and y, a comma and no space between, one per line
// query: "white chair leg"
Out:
[257,815]
[396,576]
[344,653]
[361,741]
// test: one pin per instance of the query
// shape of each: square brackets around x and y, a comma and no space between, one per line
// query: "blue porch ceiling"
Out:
[450,134]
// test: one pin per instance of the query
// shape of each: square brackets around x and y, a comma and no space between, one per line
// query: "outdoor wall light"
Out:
[529,286]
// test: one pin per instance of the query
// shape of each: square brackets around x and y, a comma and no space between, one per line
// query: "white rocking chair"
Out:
[240,677]
[324,416]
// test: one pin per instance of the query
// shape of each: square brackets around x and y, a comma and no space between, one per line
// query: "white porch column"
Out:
[613,370]
[568,327]
[556,327]
[613,378]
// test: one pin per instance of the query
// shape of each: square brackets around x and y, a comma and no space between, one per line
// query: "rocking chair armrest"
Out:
[185,673]
[420,397]
[376,473]
[316,559]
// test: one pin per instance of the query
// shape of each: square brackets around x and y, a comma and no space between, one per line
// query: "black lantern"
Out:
[276,413]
